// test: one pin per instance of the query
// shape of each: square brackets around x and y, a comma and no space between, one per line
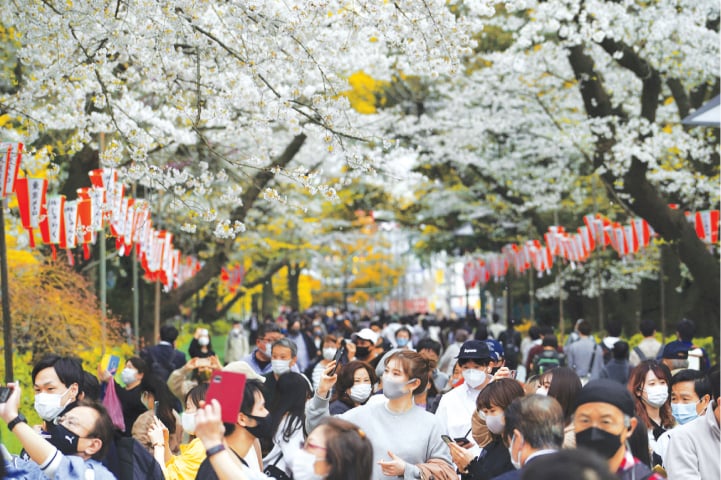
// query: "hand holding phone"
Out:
[447,439]
[338,356]
[5,393]
[227,388]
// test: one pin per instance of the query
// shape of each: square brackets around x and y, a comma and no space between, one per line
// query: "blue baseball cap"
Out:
[496,349]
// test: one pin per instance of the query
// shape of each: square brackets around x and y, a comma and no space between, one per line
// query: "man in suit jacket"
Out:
[534,427]
[163,358]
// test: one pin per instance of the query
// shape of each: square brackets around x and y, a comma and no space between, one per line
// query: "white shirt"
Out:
[456,409]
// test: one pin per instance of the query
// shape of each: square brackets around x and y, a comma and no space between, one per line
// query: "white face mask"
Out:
[128,375]
[304,466]
[359,393]
[188,422]
[495,423]
[49,405]
[516,462]
[329,353]
[474,378]
[542,391]
[656,395]
[203,341]
[280,367]
[268,350]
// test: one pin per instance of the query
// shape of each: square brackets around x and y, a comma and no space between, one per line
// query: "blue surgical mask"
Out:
[402,342]
[684,412]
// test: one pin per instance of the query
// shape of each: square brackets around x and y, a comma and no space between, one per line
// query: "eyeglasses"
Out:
[313,448]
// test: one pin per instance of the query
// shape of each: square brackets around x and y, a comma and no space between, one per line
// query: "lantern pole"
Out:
[136,293]
[7,324]
[102,267]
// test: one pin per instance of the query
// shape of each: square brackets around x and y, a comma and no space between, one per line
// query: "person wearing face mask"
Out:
[80,440]
[406,439]
[649,383]
[329,348]
[259,358]
[693,450]
[201,346]
[604,421]
[354,387]
[236,344]
[690,395]
[284,359]
[533,428]
[457,406]
[237,440]
[494,459]
[131,376]
[403,338]
[335,450]
[366,342]
[185,465]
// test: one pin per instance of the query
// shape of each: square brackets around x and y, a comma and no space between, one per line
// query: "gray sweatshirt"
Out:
[414,436]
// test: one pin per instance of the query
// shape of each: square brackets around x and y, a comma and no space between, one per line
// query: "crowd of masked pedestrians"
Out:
[343,397]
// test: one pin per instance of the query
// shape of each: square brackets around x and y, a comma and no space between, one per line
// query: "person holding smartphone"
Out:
[406,439]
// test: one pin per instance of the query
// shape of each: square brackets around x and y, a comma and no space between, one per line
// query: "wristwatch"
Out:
[19,419]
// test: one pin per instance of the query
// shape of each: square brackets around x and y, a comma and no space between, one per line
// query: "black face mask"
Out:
[362,352]
[264,429]
[600,441]
[63,439]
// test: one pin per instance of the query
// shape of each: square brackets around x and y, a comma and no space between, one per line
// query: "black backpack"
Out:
[547,360]
[127,459]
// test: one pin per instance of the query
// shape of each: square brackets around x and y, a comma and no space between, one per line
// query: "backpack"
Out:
[127,459]
[547,360]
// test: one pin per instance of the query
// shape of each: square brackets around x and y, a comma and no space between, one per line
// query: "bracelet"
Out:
[213,450]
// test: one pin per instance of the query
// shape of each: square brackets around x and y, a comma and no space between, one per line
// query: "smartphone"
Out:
[155,408]
[111,363]
[461,441]
[227,388]
[5,394]
[447,439]
[513,374]
[338,355]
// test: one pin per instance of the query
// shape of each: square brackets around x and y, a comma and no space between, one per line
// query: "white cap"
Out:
[366,334]
[243,367]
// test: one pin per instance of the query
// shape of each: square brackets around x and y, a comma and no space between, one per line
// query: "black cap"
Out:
[607,391]
[474,350]
[675,350]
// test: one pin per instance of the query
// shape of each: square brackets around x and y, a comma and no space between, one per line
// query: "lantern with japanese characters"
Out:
[31,202]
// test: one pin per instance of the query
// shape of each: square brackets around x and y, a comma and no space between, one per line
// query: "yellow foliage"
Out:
[366,93]
[53,309]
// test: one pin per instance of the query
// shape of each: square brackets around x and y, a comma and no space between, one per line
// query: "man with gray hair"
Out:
[534,427]
[283,359]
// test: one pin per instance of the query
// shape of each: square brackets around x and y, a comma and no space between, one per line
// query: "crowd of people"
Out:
[330,397]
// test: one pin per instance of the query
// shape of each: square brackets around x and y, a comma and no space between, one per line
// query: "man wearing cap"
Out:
[457,406]
[603,422]
[675,356]
[693,450]
[366,350]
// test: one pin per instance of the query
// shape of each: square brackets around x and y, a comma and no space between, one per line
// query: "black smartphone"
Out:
[155,408]
[461,441]
[5,394]
[338,356]
[447,439]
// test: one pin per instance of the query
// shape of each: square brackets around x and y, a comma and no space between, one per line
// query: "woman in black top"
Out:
[494,459]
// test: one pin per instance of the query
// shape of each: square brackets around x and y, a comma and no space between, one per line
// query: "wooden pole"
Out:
[7,323]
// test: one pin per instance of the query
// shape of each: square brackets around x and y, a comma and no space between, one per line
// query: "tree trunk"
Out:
[294,270]
[268,299]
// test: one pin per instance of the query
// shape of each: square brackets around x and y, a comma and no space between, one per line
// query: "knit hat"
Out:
[607,391]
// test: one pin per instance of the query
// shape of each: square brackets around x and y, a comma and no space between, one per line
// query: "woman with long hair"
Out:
[494,458]
[288,420]
[406,439]
[650,386]
[129,395]
[354,387]
[159,401]
[563,384]
[185,465]
[335,450]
